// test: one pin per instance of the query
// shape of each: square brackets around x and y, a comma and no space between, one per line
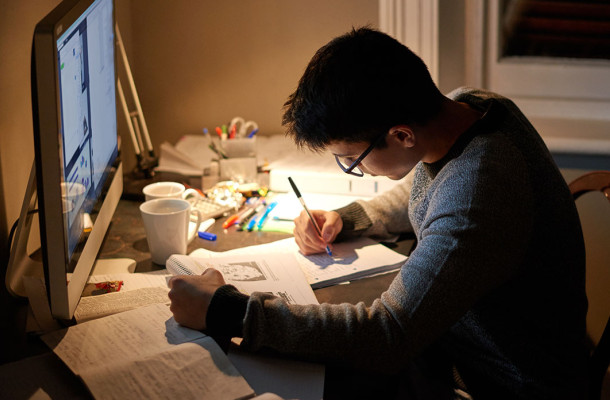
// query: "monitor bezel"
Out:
[63,295]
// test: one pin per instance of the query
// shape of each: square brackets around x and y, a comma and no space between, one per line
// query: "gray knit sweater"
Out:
[495,284]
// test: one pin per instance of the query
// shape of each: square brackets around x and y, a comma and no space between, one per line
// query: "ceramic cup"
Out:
[167,190]
[166,222]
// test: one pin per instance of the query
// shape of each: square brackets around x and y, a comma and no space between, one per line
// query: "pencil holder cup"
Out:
[239,148]
[241,169]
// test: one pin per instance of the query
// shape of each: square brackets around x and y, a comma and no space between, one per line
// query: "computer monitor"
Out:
[78,175]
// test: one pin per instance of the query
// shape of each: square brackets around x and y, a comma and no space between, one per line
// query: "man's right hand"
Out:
[307,237]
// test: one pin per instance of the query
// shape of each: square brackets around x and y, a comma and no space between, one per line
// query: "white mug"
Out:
[167,190]
[166,222]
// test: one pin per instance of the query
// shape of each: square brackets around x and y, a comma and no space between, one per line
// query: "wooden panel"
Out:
[557,29]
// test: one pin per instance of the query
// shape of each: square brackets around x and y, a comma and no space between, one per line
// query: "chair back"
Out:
[600,357]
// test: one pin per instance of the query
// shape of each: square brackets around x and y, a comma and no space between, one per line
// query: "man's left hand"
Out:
[191,295]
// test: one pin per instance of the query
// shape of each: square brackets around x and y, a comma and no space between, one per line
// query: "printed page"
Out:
[144,353]
[279,274]
[91,307]
[354,259]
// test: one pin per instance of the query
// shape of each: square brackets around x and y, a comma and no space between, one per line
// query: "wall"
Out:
[227,58]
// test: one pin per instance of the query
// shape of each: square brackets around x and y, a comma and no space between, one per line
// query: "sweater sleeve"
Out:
[466,249]
[226,312]
[381,217]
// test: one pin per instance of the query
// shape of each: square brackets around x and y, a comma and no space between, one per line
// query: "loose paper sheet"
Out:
[144,353]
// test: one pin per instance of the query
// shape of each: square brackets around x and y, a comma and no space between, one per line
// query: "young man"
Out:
[495,285]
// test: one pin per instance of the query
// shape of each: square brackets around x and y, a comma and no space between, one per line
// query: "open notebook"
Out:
[351,260]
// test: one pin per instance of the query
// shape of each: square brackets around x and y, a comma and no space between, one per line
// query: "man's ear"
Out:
[403,134]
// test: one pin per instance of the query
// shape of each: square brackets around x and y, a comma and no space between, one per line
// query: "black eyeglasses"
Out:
[353,168]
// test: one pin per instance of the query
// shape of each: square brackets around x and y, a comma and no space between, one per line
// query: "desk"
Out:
[127,238]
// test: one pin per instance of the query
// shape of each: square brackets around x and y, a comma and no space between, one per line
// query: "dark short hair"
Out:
[356,88]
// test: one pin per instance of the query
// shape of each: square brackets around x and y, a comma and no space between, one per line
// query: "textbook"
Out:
[350,260]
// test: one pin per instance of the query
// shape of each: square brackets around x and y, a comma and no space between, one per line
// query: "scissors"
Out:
[240,127]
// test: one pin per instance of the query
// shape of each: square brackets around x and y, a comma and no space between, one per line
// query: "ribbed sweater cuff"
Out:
[226,312]
[355,221]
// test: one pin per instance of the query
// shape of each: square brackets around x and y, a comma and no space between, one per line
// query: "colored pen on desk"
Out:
[230,221]
[249,217]
[237,219]
[251,224]
[261,221]
[205,225]
[313,221]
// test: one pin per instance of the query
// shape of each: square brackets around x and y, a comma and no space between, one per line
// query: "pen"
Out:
[230,221]
[248,217]
[206,134]
[251,224]
[277,218]
[251,134]
[264,217]
[202,230]
[207,236]
[313,221]
[216,150]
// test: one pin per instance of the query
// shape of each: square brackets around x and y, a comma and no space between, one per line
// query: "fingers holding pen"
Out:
[306,235]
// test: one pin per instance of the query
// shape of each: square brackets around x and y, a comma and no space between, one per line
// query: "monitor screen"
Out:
[85,61]
[78,173]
